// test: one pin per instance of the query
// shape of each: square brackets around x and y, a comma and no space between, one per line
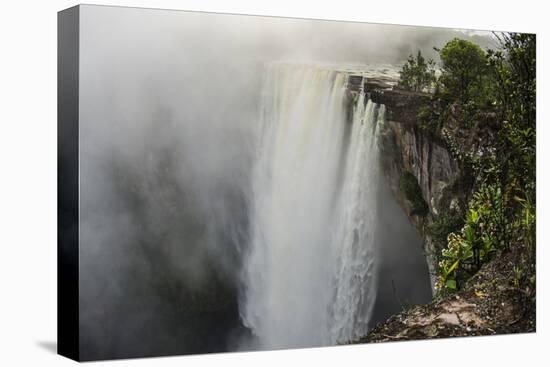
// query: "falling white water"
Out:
[310,273]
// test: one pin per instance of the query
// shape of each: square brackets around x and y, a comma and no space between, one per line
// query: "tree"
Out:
[464,71]
[417,74]
[514,67]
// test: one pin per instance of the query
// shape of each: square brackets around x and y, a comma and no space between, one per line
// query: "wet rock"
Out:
[355,82]
[372,84]
[401,106]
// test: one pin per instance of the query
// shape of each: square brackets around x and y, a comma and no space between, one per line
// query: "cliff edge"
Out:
[428,180]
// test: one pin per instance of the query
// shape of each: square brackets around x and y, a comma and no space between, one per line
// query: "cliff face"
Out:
[421,174]
[428,183]
[420,171]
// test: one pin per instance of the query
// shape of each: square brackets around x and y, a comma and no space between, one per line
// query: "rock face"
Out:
[409,158]
[401,105]
[358,82]
[420,171]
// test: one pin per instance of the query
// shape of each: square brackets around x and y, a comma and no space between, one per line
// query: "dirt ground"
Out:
[497,300]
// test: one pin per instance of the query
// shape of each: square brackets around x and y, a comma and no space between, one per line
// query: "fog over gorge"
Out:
[175,205]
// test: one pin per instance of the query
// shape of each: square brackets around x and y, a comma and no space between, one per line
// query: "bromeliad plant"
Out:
[480,236]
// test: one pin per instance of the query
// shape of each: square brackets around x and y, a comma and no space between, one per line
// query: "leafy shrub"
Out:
[480,236]
[440,229]
[428,120]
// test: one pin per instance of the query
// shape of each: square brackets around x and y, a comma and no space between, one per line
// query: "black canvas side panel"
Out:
[67,182]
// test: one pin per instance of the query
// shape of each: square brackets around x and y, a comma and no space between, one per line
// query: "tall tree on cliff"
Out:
[464,72]
[417,74]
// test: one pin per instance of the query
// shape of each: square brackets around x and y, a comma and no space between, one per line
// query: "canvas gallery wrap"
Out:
[236,183]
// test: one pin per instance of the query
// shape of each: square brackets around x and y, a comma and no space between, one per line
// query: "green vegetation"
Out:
[429,121]
[476,241]
[464,73]
[418,74]
[441,227]
[409,186]
[483,109]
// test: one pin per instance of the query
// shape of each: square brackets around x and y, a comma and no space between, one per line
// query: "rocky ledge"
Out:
[358,82]
[400,105]
[491,302]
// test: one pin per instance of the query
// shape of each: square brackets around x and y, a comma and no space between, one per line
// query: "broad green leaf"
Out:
[451,284]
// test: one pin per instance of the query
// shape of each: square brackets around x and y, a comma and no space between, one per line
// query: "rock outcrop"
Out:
[420,170]
[401,105]
[358,82]
[429,184]
[410,158]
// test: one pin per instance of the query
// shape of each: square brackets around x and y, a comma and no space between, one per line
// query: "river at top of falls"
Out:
[310,271]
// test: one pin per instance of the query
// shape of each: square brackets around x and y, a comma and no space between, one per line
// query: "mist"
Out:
[169,123]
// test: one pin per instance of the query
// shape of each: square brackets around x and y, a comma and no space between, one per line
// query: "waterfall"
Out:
[310,274]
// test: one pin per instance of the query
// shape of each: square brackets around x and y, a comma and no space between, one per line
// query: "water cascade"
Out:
[310,274]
